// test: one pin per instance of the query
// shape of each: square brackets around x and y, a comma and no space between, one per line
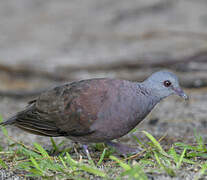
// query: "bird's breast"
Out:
[117,117]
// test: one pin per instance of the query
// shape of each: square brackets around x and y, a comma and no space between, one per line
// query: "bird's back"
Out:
[93,110]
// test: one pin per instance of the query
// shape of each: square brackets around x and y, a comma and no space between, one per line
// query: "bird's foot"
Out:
[123,149]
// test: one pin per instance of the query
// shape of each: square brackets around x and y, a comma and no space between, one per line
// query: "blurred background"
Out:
[45,43]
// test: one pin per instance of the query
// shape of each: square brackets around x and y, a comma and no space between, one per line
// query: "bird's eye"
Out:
[167,83]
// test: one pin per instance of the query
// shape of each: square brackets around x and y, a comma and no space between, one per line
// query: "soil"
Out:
[45,43]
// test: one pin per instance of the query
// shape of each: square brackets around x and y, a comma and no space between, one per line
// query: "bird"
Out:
[96,110]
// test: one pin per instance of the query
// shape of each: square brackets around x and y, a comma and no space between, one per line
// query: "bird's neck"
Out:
[149,92]
[144,100]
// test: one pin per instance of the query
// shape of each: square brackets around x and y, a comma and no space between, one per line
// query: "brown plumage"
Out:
[71,109]
[95,110]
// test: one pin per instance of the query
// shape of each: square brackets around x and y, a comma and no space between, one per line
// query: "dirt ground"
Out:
[45,43]
[172,117]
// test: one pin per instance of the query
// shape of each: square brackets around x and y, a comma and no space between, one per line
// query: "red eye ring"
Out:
[167,83]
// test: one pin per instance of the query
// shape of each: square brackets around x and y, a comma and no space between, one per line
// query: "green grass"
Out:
[35,161]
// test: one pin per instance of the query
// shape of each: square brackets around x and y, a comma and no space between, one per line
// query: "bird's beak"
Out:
[181,93]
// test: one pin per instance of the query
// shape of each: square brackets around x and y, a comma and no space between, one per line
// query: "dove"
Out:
[96,110]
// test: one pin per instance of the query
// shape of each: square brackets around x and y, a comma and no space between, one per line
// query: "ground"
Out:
[45,43]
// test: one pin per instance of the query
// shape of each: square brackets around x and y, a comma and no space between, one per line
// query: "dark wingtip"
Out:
[8,121]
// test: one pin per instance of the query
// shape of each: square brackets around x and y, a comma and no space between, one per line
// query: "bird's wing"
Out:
[67,110]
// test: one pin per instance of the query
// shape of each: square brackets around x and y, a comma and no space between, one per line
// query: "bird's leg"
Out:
[123,149]
[85,147]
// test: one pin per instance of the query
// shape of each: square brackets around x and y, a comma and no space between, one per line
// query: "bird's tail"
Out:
[34,122]
[9,121]
[14,119]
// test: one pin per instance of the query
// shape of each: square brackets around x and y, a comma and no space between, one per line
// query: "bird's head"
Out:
[164,84]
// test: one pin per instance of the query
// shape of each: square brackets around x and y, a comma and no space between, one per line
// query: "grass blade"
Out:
[136,172]
[121,163]
[173,153]
[56,149]
[42,151]
[3,164]
[155,142]
[201,172]
[169,171]
[34,162]
[92,170]
[70,161]
[102,157]
[138,141]
[63,162]
[181,159]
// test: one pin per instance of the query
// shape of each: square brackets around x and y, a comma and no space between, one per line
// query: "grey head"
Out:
[163,84]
